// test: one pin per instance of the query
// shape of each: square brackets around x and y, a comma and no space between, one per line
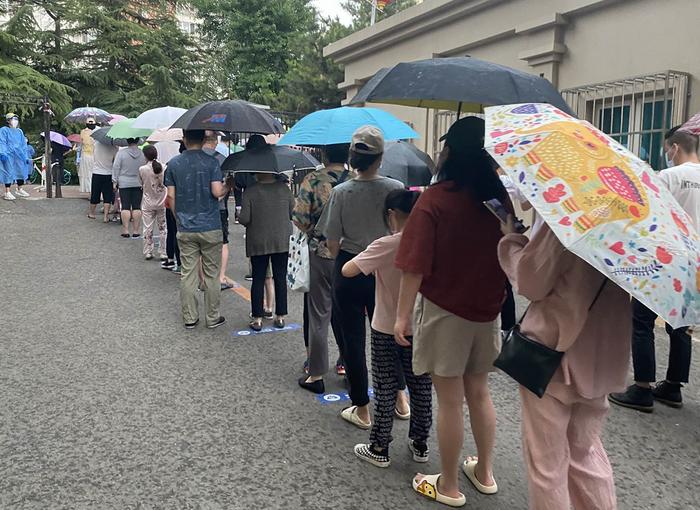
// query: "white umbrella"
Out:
[158,117]
[166,135]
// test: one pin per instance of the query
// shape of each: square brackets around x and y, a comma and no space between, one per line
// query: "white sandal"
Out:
[469,467]
[350,415]
[428,487]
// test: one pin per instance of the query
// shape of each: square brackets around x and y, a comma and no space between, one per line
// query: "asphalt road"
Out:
[107,402]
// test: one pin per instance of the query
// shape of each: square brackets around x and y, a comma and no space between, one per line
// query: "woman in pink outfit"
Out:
[567,464]
[153,206]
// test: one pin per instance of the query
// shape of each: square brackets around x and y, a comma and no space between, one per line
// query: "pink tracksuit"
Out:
[567,464]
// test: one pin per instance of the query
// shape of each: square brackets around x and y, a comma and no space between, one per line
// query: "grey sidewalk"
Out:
[107,402]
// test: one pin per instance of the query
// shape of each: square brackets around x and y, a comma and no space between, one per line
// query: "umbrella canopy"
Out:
[328,127]
[232,116]
[80,115]
[124,129]
[459,83]
[101,135]
[404,162]
[361,97]
[603,203]
[269,159]
[158,118]
[693,125]
[75,138]
[166,135]
[116,118]
[58,138]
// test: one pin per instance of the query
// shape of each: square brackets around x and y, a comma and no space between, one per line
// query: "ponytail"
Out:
[151,153]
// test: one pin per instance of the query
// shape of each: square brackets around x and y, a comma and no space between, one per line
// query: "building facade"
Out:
[628,66]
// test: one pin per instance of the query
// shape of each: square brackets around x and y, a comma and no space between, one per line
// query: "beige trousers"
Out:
[206,245]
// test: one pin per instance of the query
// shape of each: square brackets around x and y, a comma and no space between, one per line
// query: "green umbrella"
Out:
[123,129]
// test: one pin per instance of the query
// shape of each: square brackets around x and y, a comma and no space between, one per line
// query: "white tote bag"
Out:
[298,270]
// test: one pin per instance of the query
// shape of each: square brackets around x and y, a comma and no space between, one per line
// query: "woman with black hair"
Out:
[448,253]
[153,203]
[352,220]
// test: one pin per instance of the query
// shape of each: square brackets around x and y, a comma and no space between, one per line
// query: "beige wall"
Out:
[589,41]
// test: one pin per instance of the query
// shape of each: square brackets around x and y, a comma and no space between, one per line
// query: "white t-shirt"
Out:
[683,181]
[517,196]
[104,157]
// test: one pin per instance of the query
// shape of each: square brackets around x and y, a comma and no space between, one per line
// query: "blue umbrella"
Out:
[328,127]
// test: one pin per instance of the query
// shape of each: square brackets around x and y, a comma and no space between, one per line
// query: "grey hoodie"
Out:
[125,172]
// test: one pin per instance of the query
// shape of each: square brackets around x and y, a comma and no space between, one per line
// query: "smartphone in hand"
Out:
[499,211]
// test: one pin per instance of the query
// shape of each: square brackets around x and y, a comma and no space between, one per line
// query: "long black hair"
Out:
[468,165]
[151,154]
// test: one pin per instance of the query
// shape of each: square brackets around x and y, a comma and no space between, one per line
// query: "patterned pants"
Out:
[385,352]
[151,217]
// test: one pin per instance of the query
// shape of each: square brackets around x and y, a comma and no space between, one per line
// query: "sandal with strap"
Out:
[469,468]
[428,487]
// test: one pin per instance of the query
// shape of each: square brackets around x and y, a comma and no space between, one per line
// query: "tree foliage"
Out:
[361,11]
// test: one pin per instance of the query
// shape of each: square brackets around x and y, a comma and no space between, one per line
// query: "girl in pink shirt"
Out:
[389,355]
[153,204]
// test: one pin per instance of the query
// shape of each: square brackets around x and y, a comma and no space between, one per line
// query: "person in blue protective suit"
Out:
[13,157]
[31,152]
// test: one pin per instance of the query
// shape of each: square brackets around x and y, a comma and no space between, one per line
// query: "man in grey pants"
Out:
[194,187]
[313,195]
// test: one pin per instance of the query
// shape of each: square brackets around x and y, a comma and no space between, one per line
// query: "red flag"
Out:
[381,4]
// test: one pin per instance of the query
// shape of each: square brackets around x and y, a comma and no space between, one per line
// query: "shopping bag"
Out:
[298,271]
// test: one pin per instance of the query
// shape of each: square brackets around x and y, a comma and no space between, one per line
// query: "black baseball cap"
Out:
[466,133]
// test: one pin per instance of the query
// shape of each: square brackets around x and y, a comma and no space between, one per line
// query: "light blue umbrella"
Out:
[328,127]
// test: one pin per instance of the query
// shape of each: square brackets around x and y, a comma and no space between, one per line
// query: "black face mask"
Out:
[91,126]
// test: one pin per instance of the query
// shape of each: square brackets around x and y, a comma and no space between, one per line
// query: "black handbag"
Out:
[529,362]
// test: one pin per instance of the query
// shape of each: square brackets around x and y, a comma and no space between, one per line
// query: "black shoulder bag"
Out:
[529,362]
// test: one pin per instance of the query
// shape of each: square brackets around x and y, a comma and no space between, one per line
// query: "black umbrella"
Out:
[361,97]
[269,159]
[230,116]
[404,162]
[459,83]
[100,135]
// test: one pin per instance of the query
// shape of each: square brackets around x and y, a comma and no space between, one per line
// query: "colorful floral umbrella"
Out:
[603,203]
[693,125]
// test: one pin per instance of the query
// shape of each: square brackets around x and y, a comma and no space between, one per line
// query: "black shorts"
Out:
[224,224]
[131,198]
[101,186]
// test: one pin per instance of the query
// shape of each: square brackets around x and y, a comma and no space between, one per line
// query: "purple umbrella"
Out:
[58,138]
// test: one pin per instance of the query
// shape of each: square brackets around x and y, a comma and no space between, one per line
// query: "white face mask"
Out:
[14,123]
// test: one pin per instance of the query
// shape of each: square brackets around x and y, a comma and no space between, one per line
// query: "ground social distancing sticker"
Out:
[332,398]
[266,330]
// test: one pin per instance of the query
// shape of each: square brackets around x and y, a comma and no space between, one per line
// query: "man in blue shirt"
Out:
[194,187]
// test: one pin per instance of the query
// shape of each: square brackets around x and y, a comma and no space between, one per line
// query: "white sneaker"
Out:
[9,196]
[21,193]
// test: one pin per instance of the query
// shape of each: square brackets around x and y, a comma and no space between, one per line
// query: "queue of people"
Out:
[402,260]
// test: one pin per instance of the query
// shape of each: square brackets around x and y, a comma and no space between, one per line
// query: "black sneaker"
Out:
[314,387]
[669,394]
[419,450]
[635,397]
[267,314]
[248,277]
[191,325]
[368,453]
[217,323]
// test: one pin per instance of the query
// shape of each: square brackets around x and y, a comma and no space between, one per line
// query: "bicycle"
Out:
[38,175]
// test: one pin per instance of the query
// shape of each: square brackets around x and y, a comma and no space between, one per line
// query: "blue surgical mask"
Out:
[669,159]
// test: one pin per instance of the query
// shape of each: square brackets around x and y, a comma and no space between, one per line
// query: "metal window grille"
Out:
[636,111]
